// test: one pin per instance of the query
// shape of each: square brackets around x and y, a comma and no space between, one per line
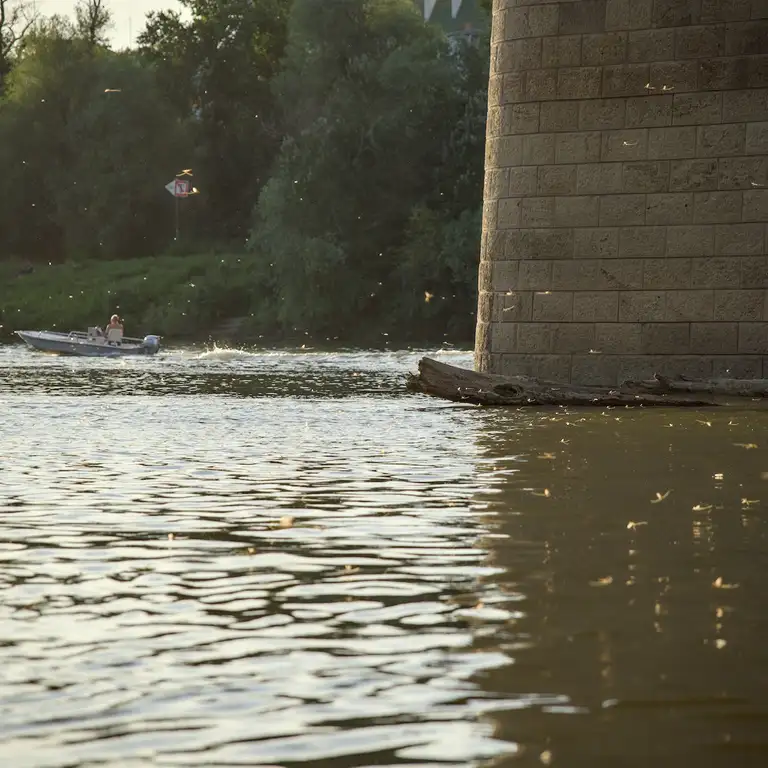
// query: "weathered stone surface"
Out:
[625,219]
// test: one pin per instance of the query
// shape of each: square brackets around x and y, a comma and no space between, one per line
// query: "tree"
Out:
[92,21]
[375,102]
[216,68]
[86,146]
[15,20]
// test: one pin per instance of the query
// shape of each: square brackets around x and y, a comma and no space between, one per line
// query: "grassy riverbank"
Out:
[177,296]
[210,296]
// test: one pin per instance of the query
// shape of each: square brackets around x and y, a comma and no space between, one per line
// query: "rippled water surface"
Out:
[282,558]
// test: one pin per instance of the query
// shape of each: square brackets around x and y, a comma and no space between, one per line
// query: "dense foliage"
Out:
[337,146]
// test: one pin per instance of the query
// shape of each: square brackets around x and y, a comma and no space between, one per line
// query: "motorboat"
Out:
[93,343]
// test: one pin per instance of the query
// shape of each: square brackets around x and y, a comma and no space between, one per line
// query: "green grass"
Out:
[182,296]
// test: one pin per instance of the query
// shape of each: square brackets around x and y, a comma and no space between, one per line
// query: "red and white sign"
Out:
[178,188]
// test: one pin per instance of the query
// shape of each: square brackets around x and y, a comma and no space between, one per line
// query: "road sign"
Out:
[178,187]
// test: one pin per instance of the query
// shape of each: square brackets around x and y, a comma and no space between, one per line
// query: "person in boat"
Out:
[114,323]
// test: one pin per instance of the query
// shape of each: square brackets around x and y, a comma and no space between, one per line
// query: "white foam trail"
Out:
[224,353]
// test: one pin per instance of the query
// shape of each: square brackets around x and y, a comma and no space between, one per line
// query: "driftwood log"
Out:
[466,386]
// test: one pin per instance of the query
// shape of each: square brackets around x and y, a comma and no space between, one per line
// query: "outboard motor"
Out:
[151,344]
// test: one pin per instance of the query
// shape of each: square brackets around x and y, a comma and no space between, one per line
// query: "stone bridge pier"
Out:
[626,190]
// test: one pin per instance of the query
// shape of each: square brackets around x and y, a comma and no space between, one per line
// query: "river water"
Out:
[282,558]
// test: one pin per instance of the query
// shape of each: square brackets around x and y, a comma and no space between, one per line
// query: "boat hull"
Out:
[76,344]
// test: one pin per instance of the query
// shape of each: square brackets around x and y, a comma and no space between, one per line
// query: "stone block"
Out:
[561,51]
[559,116]
[510,88]
[757,71]
[641,242]
[578,82]
[739,239]
[720,140]
[624,145]
[599,178]
[753,338]
[651,45]
[557,180]
[489,215]
[674,76]
[697,108]
[754,272]
[755,205]
[599,243]
[540,85]
[531,21]
[605,48]
[523,181]
[513,306]
[666,273]
[577,211]
[494,90]
[508,150]
[759,9]
[693,175]
[649,111]
[595,306]
[628,14]
[505,275]
[601,114]
[519,118]
[517,55]
[496,183]
[713,11]
[737,367]
[538,149]
[646,176]
[503,337]
[757,137]
[725,73]
[642,306]
[622,274]
[549,367]
[676,13]
[540,244]
[625,80]
[743,172]
[715,272]
[690,241]
[669,208]
[666,338]
[485,275]
[575,275]
[534,275]
[535,338]
[509,213]
[689,305]
[582,17]
[617,338]
[578,147]
[714,338]
[745,38]
[554,307]
[622,210]
[671,143]
[695,42]
[573,338]
[537,212]
[493,125]
[746,105]
[717,207]
[741,305]
[594,369]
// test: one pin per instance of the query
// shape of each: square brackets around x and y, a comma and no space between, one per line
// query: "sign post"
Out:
[178,188]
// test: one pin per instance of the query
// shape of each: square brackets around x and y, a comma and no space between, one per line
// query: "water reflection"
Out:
[643,573]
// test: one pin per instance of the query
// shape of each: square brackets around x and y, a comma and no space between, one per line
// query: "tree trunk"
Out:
[466,386]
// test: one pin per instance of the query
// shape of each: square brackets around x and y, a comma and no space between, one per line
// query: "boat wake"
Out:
[223,354]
